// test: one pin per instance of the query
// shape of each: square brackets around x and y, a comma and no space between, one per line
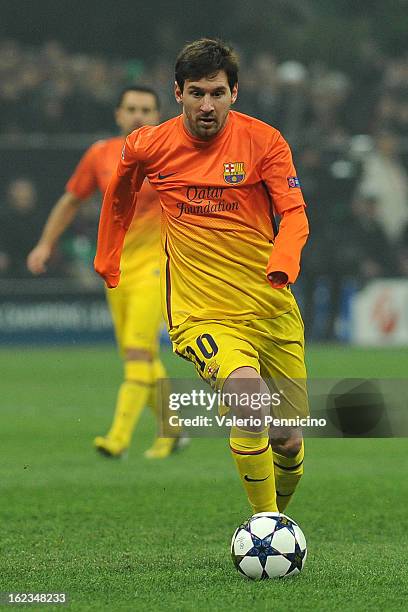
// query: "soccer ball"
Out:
[268,545]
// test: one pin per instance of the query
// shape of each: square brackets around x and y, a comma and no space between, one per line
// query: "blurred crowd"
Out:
[47,89]
[348,131]
[22,216]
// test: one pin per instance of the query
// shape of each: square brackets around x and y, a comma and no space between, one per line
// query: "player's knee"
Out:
[240,390]
[242,381]
[137,354]
[288,448]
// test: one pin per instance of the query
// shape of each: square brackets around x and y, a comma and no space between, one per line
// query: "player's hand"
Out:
[278,279]
[37,259]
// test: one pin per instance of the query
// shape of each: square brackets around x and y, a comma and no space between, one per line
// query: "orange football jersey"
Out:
[219,236]
[142,244]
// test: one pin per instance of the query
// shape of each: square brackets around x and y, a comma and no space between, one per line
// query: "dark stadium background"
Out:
[301,29]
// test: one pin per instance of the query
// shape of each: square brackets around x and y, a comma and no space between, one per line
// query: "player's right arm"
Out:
[59,219]
[117,211]
[80,186]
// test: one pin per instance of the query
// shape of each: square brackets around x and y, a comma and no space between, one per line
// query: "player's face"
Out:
[137,109]
[206,104]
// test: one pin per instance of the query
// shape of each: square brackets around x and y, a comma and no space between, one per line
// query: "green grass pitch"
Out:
[139,535]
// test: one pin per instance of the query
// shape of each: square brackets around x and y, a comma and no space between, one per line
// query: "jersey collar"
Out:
[197,143]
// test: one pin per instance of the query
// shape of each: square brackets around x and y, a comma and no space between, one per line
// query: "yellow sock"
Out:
[288,472]
[132,398]
[253,458]
[158,400]
[159,377]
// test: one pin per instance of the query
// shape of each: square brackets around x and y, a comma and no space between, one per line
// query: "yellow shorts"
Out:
[136,312]
[274,347]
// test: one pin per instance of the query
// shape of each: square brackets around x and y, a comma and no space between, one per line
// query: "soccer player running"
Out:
[135,306]
[225,269]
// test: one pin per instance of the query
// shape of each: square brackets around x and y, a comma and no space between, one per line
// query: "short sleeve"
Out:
[84,182]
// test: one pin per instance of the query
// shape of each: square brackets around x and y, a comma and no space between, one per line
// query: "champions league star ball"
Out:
[268,545]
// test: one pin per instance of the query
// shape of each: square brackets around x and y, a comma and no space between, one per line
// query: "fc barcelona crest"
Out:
[234,172]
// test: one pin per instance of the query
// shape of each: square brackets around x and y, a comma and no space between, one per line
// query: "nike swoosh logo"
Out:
[248,479]
[161,176]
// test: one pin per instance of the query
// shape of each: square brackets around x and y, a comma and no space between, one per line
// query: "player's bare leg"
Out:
[250,447]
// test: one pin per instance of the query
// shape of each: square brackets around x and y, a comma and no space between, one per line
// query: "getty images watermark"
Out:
[224,406]
[330,408]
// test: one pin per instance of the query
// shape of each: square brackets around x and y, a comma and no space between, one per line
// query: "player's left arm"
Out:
[279,176]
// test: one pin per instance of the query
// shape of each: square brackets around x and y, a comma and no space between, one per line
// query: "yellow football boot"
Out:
[163,447]
[110,447]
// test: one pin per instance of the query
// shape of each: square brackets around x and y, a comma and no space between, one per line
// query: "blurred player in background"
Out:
[135,306]
[221,175]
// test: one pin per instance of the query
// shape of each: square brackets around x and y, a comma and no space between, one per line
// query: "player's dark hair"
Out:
[203,58]
[138,89]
